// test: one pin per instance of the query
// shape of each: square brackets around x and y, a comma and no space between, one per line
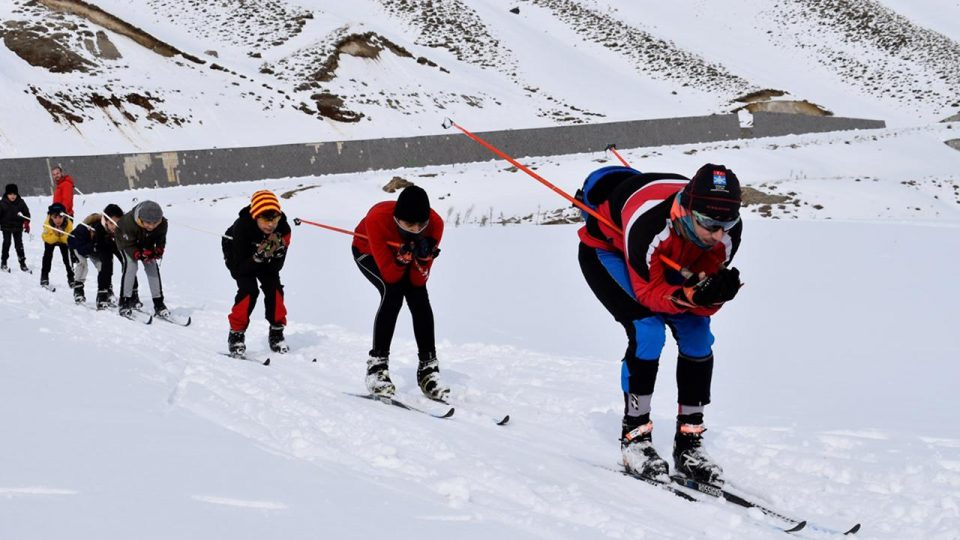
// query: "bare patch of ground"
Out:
[43,47]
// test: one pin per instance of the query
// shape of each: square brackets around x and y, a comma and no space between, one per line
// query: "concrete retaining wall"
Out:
[118,172]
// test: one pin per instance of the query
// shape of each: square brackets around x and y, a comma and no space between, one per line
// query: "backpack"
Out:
[600,183]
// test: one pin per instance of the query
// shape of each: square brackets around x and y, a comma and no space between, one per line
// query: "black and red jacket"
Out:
[378,229]
[640,206]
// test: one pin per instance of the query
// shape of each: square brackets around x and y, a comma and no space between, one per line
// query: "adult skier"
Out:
[94,242]
[63,189]
[142,238]
[669,267]
[254,250]
[394,247]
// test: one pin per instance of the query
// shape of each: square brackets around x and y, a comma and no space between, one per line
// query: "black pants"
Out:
[48,260]
[246,299]
[392,296]
[17,237]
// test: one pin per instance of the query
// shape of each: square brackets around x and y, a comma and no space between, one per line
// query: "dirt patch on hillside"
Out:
[76,107]
[43,47]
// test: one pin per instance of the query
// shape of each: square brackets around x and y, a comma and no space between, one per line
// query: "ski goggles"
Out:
[714,225]
[412,228]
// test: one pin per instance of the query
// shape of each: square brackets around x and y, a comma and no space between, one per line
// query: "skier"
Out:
[394,246]
[63,188]
[56,230]
[142,237]
[95,242]
[665,219]
[13,225]
[254,249]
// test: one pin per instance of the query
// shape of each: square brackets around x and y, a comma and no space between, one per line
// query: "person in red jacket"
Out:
[63,189]
[665,265]
[394,247]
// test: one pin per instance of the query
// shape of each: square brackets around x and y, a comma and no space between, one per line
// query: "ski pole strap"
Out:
[534,175]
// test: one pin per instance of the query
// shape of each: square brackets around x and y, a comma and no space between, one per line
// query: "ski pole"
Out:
[298,221]
[448,122]
[198,229]
[613,148]
[52,228]
[71,218]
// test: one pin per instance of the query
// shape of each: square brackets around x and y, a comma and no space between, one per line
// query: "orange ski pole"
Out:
[448,122]
[613,148]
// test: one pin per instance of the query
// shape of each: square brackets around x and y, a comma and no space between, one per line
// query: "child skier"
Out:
[12,207]
[142,237]
[394,248]
[94,241]
[56,230]
[254,249]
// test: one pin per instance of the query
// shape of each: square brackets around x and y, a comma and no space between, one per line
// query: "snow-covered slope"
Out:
[190,74]
[833,395]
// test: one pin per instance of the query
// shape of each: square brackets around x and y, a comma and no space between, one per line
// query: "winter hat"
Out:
[413,205]
[148,211]
[113,211]
[263,201]
[11,188]
[56,209]
[714,192]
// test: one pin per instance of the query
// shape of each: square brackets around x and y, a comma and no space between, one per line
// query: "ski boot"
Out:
[689,457]
[104,300]
[159,308]
[238,349]
[4,267]
[428,377]
[126,307]
[23,266]
[135,302]
[640,457]
[45,283]
[275,338]
[378,376]
[78,296]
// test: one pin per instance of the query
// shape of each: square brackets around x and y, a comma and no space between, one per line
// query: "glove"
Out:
[158,252]
[425,249]
[405,254]
[147,255]
[26,227]
[715,289]
[267,249]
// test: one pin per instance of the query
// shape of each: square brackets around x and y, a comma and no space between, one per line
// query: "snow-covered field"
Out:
[834,392]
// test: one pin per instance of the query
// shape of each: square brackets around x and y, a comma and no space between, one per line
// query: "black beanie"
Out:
[413,205]
[11,188]
[113,211]
[56,209]
[714,192]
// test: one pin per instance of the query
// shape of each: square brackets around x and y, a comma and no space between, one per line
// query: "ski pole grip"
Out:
[296,221]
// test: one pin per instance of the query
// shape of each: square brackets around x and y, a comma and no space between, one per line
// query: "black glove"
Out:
[717,288]
[405,254]
[425,248]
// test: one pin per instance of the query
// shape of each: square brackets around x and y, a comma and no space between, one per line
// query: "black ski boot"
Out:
[78,296]
[378,376]
[277,343]
[23,266]
[238,349]
[428,377]
[104,300]
[159,308]
[4,267]
[689,457]
[126,307]
[639,455]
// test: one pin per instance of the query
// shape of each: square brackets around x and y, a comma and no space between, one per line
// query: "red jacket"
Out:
[641,206]
[379,228]
[63,193]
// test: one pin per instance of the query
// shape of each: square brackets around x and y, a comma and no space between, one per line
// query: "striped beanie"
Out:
[263,201]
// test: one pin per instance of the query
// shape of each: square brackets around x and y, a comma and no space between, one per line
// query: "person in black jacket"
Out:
[94,240]
[254,249]
[13,226]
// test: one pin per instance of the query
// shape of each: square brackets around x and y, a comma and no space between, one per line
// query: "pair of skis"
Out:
[682,486]
[141,316]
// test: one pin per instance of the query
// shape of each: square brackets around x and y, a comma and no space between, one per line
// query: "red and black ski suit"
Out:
[627,273]
[238,254]
[377,259]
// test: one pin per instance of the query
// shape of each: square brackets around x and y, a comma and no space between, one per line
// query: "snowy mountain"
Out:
[129,75]
[836,365]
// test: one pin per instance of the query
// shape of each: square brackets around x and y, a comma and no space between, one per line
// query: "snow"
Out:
[833,390]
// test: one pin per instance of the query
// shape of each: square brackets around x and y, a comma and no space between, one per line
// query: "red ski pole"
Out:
[448,122]
[298,221]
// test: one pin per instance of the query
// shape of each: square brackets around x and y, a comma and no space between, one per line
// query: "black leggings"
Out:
[391,300]
[65,253]
[17,237]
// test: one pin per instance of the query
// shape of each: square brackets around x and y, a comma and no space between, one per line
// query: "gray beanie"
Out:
[148,211]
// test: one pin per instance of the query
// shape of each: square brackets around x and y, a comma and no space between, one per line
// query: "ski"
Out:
[244,357]
[662,485]
[50,288]
[721,492]
[138,316]
[498,420]
[396,403]
[175,320]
